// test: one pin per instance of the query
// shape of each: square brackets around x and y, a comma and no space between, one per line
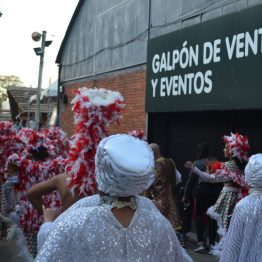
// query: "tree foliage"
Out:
[10,80]
[5,81]
[3,95]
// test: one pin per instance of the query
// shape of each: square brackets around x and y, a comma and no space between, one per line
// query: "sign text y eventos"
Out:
[197,82]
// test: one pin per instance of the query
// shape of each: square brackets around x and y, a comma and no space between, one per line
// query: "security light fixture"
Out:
[38,50]
[36,36]
[48,43]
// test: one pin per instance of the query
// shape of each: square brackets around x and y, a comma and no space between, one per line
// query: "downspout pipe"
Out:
[58,122]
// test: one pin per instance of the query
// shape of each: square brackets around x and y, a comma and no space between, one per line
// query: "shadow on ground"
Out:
[8,252]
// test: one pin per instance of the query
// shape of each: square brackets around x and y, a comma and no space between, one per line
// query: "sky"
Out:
[19,20]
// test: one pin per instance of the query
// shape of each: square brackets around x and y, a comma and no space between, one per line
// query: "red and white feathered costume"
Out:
[38,157]
[9,143]
[94,110]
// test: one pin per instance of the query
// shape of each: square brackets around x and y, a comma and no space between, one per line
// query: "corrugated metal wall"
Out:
[108,35]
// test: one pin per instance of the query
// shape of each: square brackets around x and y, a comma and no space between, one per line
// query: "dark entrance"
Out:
[179,133]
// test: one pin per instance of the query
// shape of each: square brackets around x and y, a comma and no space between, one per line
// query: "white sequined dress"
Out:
[88,231]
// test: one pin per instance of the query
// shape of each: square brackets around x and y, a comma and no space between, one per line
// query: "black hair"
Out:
[40,153]
[24,123]
[202,151]
[240,164]
[212,158]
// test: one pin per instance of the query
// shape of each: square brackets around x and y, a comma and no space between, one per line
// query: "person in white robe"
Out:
[117,224]
[243,242]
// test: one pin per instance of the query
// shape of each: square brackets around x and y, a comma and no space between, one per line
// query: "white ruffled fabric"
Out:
[217,248]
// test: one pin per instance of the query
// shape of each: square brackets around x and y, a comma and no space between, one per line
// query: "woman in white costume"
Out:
[243,241]
[117,224]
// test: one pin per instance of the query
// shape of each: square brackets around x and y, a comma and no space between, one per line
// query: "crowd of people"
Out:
[231,173]
[116,194]
[116,198]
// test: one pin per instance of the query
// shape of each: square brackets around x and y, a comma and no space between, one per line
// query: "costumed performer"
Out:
[94,109]
[232,174]
[120,225]
[162,190]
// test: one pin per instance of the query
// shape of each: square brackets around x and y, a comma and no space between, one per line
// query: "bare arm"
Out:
[36,192]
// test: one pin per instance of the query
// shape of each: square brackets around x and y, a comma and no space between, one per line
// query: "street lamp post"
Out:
[40,51]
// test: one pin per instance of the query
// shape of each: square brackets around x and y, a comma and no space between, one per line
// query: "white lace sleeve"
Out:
[178,177]
[46,228]
[58,242]
[42,235]
[210,178]
[175,252]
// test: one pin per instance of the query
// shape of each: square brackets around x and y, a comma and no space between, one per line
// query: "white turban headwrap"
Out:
[124,165]
[253,171]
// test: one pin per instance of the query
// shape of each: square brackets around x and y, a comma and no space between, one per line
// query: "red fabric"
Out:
[215,166]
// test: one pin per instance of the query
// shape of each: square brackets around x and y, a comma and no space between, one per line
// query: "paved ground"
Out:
[7,253]
[199,257]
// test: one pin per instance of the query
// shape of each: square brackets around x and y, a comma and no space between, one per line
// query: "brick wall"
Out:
[131,85]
